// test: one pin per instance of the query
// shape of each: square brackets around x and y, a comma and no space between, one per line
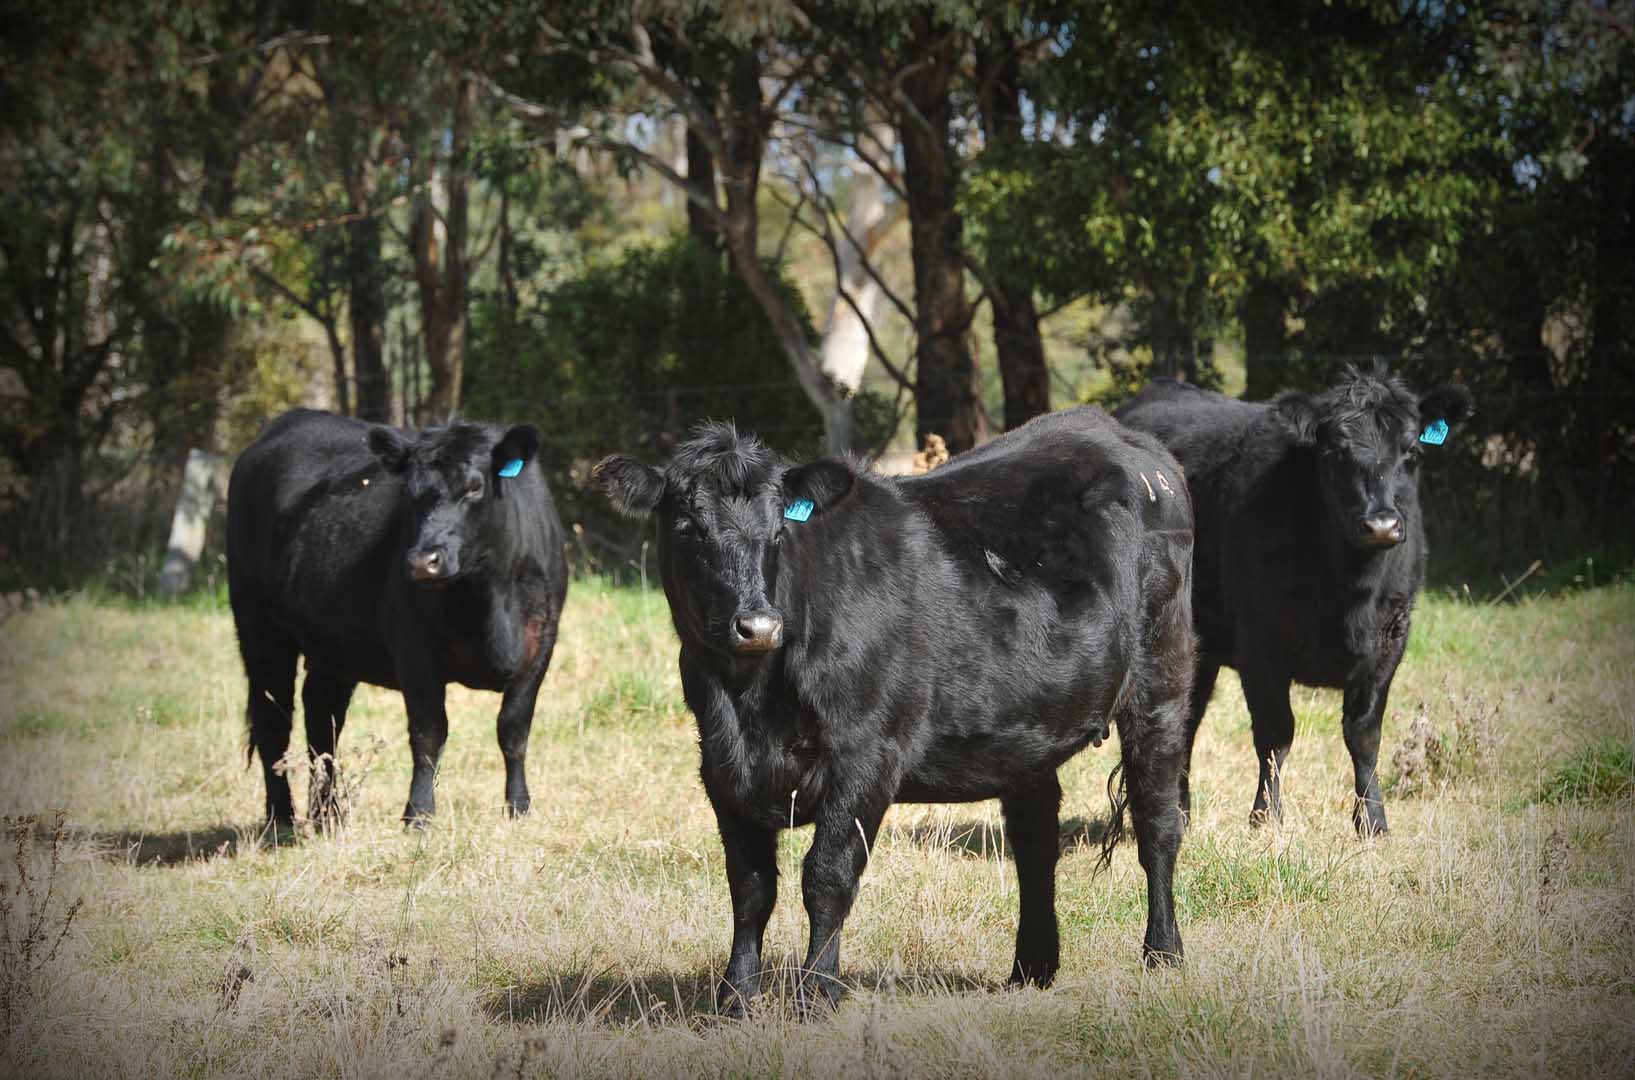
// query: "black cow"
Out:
[407,560]
[1310,550]
[851,640]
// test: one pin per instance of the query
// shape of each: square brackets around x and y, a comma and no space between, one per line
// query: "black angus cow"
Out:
[406,560]
[1310,550]
[851,640]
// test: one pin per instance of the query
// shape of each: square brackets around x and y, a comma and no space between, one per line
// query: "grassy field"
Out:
[1493,931]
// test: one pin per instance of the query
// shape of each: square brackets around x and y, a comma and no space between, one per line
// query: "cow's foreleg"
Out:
[752,875]
[841,844]
[1033,832]
[1273,724]
[428,731]
[324,700]
[1365,696]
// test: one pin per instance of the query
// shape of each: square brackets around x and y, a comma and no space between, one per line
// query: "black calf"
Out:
[404,560]
[1310,550]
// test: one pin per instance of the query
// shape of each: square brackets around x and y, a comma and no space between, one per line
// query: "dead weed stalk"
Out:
[30,931]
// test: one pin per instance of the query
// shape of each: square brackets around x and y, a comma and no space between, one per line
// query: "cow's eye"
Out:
[474,487]
[684,525]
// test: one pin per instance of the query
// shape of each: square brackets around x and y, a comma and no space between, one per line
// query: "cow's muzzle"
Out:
[432,564]
[756,632]
[1381,530]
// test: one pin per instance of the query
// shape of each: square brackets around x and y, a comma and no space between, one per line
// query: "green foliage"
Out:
[1602,771]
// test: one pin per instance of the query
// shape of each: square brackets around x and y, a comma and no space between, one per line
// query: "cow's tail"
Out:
[1118,799]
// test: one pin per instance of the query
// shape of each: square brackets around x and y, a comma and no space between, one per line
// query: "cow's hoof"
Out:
[817,996]
[1367,827]
[731,1003]
[1159,959]
[324,813]
[416,819]
[1037,973]
[517,809]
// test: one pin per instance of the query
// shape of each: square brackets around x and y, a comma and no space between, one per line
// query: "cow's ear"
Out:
[822,483]
[515,449]
[389,445]
[1451,403]
[1297,412]
[634,489]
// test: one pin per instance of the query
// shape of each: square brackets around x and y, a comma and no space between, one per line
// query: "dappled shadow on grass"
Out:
[675,998]
[982,839]
[190,845]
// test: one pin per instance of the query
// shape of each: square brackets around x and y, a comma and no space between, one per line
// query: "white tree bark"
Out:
[873,211]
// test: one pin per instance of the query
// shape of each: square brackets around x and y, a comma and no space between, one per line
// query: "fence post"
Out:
[201,484]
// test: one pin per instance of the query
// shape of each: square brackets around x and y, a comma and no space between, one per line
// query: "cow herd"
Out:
[850,640]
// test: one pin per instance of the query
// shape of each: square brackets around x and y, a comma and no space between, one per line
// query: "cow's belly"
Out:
[362,656]
[1309,648]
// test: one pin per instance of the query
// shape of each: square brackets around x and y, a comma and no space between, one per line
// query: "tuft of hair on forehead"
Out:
[1372,395]
[453,442]
[716,455]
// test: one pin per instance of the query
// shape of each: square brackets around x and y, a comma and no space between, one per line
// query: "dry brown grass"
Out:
[1489,933]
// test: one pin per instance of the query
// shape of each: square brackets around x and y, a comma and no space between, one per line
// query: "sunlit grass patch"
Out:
[1492,931]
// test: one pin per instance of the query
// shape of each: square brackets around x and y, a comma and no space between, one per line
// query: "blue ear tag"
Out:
[514,467]
[799,510]
[1435,433]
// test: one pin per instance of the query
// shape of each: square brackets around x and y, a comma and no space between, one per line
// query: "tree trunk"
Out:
[1020,349]
[701,224]
[846,347]
[365,280]
[366,307]
[440,268]
[947,402]
[745,137]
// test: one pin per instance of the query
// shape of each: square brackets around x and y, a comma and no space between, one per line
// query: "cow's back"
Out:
[311,518]
[1061,542]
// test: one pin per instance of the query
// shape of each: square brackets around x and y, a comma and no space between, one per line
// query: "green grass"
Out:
[1605,770]
[1493,931]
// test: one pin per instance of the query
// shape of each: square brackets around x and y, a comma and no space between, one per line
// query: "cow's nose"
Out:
[1382,530]
[757,632]
[427,565]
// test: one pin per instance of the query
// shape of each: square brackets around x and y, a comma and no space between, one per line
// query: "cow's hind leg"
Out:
[324,700]
[1203,686]
[516,720]
[1152,774]
[1273,724]
[269,662]
[1033,832]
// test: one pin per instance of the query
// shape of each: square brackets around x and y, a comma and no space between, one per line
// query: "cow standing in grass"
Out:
[850,640]
[1310,550]
[406,560]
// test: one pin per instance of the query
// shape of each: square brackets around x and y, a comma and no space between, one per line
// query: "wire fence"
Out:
[1546,476]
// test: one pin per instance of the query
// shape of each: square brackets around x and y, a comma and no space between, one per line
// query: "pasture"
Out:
[1492,932]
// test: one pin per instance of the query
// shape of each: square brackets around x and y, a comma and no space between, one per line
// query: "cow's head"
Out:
[720,505]
[452,477]
[1367,435]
